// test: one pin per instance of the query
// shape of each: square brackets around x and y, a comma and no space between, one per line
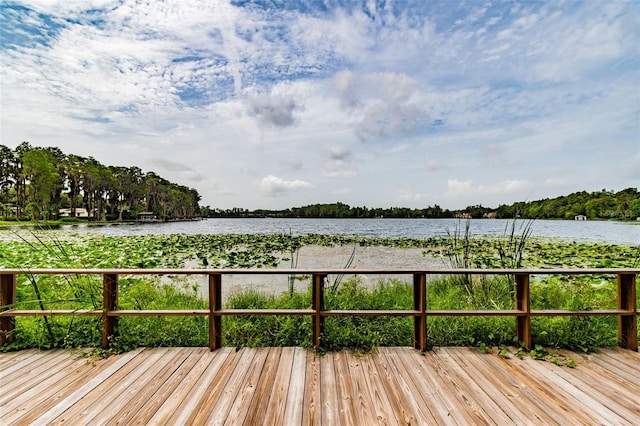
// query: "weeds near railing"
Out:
[636,260]
[486,291]
[76,292]
[294,251]
[338,279]
[74,289]
[458,251]
[511,251]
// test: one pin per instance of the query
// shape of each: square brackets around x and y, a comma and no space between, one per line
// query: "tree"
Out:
[37,180]
[74,170]
[7,174]
[20,185]
[44,182]
[634,208]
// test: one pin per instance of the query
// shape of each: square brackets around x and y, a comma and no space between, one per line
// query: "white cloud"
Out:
[338,169]
[293,163]
[497,154]
[337,164]
[272,186]
[342,191]
[277,111]
[184,171]
[457,188]
[409,197]
[335,152]
[512,99]
[385,103]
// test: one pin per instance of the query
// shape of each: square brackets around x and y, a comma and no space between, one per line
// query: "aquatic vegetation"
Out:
[67,249]
[70,250]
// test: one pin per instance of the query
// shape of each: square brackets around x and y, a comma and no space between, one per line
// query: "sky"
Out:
[284,103]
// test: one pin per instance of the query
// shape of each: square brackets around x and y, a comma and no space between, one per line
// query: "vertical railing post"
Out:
[627,322]
[419,304]
[7,301]
[215,305]
[109,304]
[523,303]
[317,304]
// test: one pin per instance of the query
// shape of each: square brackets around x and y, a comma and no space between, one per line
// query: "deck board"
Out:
[493,392]
[191,403]
[216,388]
[247,390]
[156,400]
[104,396]
[146,389]
[509,382]
[258,407]
[312,395]
[278,396]
[283,386]
[454,387]
[347,399]
[295,396]
[407,382]
[36,371]
[330,404]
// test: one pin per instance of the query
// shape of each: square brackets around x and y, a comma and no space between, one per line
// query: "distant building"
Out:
[80,212]
[580,217]
[147,217]
[491,215]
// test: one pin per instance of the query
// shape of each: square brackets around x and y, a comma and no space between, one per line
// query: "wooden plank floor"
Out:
[282,386]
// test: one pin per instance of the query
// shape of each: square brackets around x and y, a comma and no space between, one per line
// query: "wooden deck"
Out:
[273,386]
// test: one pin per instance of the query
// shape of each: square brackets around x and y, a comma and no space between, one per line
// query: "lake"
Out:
[627,233]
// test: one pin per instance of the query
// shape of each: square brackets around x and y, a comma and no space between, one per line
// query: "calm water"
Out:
[597,231]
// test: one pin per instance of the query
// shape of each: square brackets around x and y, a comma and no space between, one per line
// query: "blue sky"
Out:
[275,104]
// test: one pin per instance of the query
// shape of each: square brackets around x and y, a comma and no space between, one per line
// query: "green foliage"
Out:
[33,180]
[575,293]
[486,292]
[260,330]
[363,332]
[68,250]
[59,332]
[622,205]
[133,332]
[469,331]
[541,353]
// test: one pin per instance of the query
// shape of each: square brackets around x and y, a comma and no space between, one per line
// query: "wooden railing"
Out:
[627,309]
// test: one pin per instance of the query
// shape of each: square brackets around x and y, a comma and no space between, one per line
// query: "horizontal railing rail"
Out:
[627,306]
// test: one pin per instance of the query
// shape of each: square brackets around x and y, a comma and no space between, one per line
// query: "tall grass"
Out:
[57,292]
[360,333]
[487,292]
[449,292]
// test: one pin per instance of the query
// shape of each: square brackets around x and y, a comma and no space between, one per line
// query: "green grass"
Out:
[359,333]
[39,224]
[68,250]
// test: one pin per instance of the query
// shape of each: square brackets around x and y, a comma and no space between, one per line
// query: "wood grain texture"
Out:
[282,386]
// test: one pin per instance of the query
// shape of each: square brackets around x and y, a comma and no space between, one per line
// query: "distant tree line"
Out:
[623,205]
[35,183]
[335,210]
